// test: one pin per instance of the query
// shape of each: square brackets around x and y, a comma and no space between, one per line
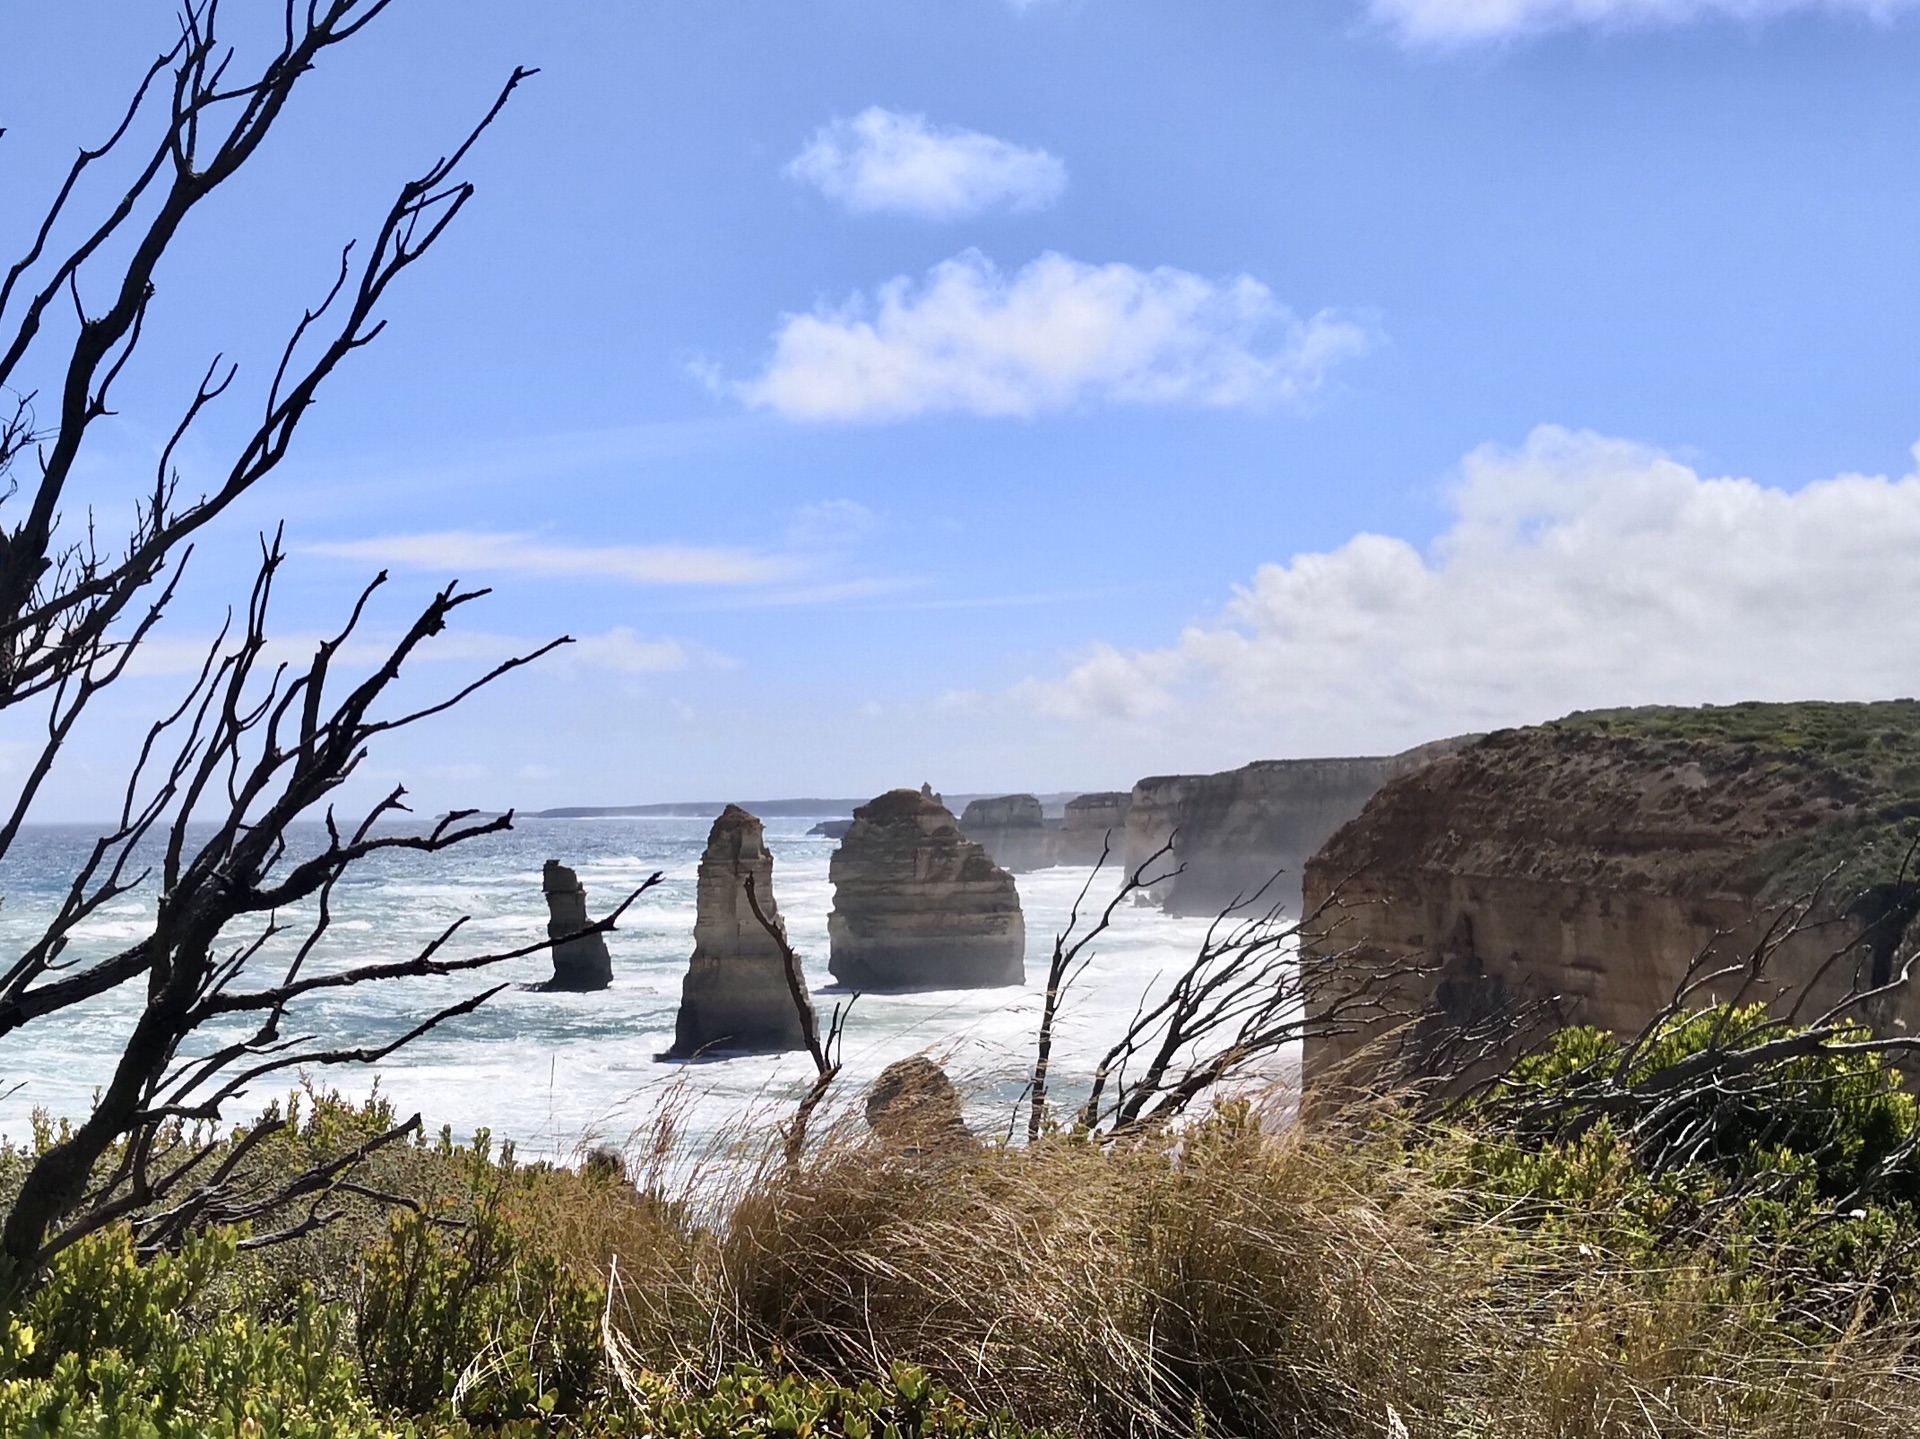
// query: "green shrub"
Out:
[108,1348]
[465,1321]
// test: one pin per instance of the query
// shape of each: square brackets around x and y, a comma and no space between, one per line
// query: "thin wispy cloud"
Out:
[973,340]
[884,161]
[1578,571]
[619,650]
[489,552]
[1456,23]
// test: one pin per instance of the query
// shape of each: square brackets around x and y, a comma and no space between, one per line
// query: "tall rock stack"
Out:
[918,905]
[1012,830]
[580,963]
[736,995]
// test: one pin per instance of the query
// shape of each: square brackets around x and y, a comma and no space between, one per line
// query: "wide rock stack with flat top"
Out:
[736,995]
[1013,831]
[580,961]
[918,905]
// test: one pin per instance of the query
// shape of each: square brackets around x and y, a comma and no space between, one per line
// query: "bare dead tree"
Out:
[825,1052]
[1068,963]
[1244,998]
[248,754]
[189,127]
[208,815]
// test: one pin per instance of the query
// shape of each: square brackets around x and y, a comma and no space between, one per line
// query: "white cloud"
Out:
[620,650]
[1058,333]
[1578,572]
[485,551]
[1449,23]
[831,525]
[882,160]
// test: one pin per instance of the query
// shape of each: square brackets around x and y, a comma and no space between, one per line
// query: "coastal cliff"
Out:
[918,905]
[1577,869]
[1236,831]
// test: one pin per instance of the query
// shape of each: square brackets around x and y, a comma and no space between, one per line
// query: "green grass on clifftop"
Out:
[1875,745]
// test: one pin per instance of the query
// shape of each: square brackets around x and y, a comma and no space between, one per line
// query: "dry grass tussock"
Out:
[1263,1281]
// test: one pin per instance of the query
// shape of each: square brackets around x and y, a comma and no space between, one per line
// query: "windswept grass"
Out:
[1365,1274]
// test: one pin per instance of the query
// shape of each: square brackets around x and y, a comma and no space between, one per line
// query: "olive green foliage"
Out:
[465,1317]
[1865,754]
[107,1348]
[1804,1168]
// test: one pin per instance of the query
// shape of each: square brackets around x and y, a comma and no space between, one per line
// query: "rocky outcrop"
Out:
[1576,870]
[1094,821]
[736,995]
[580,962]
[918,905]
[1012,829]
[831,828]
[1256,826]
[914,1107]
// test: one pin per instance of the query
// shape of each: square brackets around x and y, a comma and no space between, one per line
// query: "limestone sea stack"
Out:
[736,995]
[918,905]
[1012,829]
[1093,821]
[580,963]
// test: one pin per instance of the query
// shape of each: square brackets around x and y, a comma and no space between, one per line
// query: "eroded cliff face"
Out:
[1236,831]
[736,995]
[918,905]
[1577,870]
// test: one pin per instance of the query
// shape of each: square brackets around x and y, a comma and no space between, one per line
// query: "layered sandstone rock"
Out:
[1095,821]
[736,995]
[1576,870]
[913,1106]
[1012,829]
[1253,827]
[580,961]
[918,905]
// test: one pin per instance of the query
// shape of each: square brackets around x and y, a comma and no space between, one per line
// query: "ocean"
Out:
[556,1073]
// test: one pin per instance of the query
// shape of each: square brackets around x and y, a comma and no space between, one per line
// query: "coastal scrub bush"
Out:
[108,1346]
[1796,1172]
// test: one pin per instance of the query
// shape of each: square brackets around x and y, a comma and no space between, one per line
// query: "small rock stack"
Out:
[736,995]
[580,963]
[917,905]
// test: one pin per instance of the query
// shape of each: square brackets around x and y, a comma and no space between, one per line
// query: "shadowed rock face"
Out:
[1093,821]
[736,996]
[914,1106]
[1238,830]
[1012,830]
[1581,867]
[918,905]
[581,963]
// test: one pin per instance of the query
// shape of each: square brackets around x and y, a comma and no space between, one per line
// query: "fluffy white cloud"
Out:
[976,341]
[1446,23]
[483,551]
[882,160]
[1579,571]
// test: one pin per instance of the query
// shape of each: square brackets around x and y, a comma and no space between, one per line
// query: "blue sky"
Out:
[1042,395]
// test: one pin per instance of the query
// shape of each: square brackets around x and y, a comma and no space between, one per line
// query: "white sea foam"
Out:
[556,1071]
